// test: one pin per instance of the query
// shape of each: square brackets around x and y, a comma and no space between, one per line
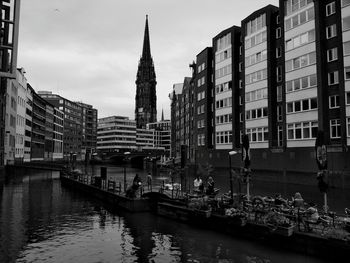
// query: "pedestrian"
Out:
[197,184]
[149,181]
[210,186]
[298,201]
[136,182]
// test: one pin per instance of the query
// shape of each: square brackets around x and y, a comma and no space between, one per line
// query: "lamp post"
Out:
[231,153]
[125,159]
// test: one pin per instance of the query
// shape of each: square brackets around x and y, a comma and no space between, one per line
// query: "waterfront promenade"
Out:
[39,219]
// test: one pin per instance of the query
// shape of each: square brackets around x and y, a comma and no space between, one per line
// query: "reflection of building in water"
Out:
[141,230]
[13,215]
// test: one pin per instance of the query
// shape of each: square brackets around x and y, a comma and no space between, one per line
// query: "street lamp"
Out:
[231,153]
[125,159]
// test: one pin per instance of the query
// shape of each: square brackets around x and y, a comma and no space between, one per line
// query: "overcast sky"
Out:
[88,51]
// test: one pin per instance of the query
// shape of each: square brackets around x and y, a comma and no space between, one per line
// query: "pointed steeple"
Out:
[146,98]
[162,115]
[146,51]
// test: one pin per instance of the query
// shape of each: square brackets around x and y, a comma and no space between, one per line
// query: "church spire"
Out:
[146,51]
[162,115]
[146,98]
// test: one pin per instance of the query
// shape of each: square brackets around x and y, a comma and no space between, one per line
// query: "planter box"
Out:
[202,213]
[237,220]
[284,231]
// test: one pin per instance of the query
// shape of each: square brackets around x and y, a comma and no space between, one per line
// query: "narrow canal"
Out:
[42,222]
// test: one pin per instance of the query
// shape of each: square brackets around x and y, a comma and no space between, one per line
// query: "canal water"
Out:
[40,221]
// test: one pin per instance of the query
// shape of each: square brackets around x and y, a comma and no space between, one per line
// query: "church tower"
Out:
[146,98]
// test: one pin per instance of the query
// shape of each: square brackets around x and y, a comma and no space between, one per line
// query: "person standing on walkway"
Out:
[149,181]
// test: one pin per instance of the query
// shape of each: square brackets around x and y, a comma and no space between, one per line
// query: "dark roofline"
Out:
[226,31]
[257,13]
[205,49]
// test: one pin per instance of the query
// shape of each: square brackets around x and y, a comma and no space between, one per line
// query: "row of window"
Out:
[256,76]
[300,40]
[300,62]
[256,113]
[223,55]
[201,139]
[226,118]
[226,102]
[301,83]
[224,137]
[258,134]
[302,105]
[255,40]
[302,130]
[256,24]
[299,19]
[200,109]
[201,67]
[201,81]
[222,87]
[200,95]
[292,6]
[256,95]
[221,72]
[201,123]
[223,42]
[256,58]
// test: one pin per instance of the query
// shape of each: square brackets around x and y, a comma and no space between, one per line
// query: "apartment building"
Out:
[21,82]
[175,104]
[29,123]
[279,78]
[38,128]
[203,104]
[73,124]
[89,131]
[58,128]
[10,121]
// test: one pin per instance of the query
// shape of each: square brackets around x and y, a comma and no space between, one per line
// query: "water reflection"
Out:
[42,222]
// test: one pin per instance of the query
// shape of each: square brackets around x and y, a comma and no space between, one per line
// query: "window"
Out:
[279,113]
[332,54]
[345,3]
[335,128]
[278,32]
[280,136]
[333,78]
[302,130]
[330,9]
[278,52]
[279,73]
[279,93]
[346,23]
[347,98]
[347,48]
[334,101]
[278,19]
[300,62]
[331,31]
[347,73]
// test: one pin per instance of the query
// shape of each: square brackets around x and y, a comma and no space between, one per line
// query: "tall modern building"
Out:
[8,58]
[146,98]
